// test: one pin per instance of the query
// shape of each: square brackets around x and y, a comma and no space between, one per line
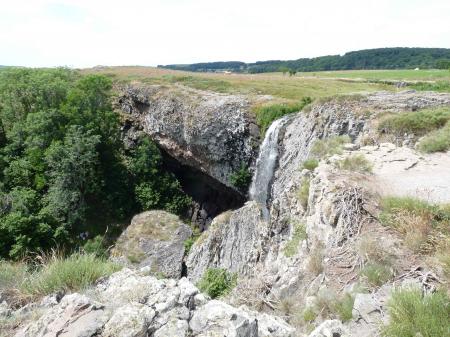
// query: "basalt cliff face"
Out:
[299,246]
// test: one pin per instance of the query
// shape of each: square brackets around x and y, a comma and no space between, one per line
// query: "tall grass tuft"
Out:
[412,314]
[73,273]
[436,141]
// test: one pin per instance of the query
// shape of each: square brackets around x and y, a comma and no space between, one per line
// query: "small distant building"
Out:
[417,69]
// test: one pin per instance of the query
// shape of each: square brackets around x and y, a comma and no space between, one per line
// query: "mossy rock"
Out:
[155,239]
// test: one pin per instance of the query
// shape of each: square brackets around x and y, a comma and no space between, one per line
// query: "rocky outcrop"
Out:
[131,304]
[210,132]
[236,241]
[154,239]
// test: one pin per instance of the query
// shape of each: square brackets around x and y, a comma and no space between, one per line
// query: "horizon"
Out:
[84,34]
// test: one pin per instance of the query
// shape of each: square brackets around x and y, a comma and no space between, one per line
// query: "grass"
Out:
[310,164]
[265,115]
[423,225]
[418,123]
[355,163]
[55,273]
[436,141]
[326,147]
[74,273]
[315,262]
[274,84]
[298,235]
[217,282]
[388,74]
[303,192]
[412,314]
[375,274]
[440,86]
[329,305]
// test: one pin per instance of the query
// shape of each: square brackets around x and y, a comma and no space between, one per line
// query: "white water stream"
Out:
[265,165]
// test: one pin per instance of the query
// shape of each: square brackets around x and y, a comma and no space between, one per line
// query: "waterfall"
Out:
[265,165]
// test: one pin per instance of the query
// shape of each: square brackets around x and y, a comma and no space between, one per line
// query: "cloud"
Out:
[84,33]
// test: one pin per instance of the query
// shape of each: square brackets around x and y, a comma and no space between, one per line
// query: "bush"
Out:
[355,163]
[217,282]
[436,141]
[242,178]
[298,235]
[326,147]
[74,273]
[415,122]
[375,274]
[412,314]
[265,115]
[310,164]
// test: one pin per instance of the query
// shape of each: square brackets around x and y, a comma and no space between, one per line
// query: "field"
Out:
[400,75]
[282,87]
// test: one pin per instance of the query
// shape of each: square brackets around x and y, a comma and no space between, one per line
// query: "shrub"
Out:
[188,243]
[412,314]
[74,273]
[375,274]
[299,234]
[326,147]
[415,122]
[303,192]
[436,141]
[242,178]
[310,164]
[265,115]
[217,282]
[355,163]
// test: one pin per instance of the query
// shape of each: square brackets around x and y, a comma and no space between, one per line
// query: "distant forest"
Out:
[383,58]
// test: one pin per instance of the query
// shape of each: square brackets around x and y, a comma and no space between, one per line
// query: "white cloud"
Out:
[84,33]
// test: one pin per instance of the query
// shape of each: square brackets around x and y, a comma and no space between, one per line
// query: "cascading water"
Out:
[265,165]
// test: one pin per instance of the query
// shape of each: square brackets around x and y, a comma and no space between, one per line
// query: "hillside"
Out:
[382,58]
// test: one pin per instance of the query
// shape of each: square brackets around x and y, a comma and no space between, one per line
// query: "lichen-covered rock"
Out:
[330,328]
[155,239]
[213,133]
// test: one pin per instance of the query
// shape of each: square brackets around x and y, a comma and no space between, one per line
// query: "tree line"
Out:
[64,171]
[382,58]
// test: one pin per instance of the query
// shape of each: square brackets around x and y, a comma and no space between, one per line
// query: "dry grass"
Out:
[315,262]
[275,84]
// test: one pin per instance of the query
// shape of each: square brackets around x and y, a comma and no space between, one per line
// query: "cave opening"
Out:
[210,197]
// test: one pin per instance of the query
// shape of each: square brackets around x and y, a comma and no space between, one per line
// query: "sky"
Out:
[86,33]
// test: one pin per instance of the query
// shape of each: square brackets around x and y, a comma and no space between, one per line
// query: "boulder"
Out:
[330,328]
[155,239]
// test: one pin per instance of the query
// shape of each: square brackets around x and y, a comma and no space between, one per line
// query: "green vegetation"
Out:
[217,282]
[381,58]
[74,273]
[330,305]
[355,163]
[416,122]
[375,274]
[63,168]
[242,178]
[413,314]
[303,192]
[190,241]
[265,115]
[440,86]
[326,147]
[96,246]
[423,225]
[310,164]
[298,235]
[54,273]
[343,307]
[436,141]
